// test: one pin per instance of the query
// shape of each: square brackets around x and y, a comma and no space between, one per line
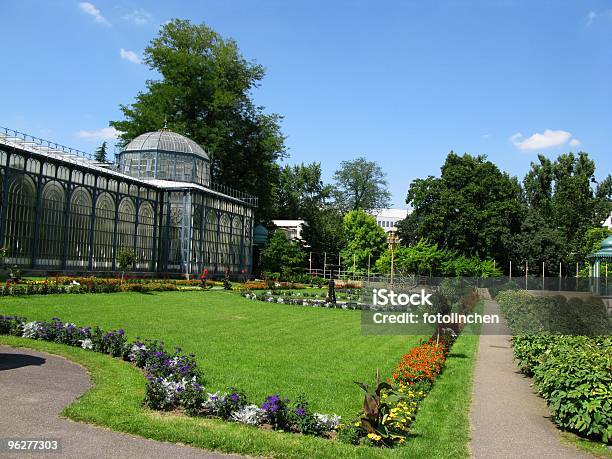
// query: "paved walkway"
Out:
[35,387]
[508,419]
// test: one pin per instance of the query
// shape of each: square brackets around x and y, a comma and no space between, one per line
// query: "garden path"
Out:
[508,418]
[37,386]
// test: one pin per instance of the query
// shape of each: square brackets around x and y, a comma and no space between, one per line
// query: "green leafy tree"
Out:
[426,258]
[125,260]
[282,255]
[300,192]
[100,154]
[364,239]
[205,92]
[473,208]
[361,184]
[324,233]
[564,203]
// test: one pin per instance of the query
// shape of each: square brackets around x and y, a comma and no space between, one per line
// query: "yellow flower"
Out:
[374,437]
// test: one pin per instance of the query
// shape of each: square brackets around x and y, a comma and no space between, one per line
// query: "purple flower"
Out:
[300,411]
[234,397]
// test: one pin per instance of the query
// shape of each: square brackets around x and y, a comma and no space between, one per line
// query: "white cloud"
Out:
[591,17]
[128,55]
[594,15]
[89,8]
[139,17]
[543,141]
[107,133]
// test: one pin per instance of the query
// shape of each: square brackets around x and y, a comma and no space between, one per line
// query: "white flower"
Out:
[280,300]
[213,402]
[31,330]
[327,421]
[135,350]
[86,344]
[250,414]
[174,388]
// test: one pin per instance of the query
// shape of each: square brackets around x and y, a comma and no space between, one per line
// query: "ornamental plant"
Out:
[376,410]
[276,411]
[420,366]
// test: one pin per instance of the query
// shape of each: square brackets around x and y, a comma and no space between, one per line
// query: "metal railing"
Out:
[241,195]
[41,144]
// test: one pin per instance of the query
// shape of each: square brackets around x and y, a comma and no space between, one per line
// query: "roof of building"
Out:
[390,213]
[165,140]
[45,148]
[289,223]
[605,251]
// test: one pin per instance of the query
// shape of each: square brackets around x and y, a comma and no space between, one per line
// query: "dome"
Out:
[260,236]
[167,141]
[165,155]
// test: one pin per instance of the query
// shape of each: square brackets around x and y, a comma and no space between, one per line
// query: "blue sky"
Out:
[399,82]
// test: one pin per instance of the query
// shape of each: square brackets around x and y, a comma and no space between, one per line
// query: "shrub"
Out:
[11,325]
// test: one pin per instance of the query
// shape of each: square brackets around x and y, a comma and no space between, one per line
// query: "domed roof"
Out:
[605,251]
[167,141]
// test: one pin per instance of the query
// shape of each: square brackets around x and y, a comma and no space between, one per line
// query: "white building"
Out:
[388,218]
[608,222]
[292,228]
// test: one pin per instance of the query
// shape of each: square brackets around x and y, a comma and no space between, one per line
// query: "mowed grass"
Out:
[258,347]
[440,431]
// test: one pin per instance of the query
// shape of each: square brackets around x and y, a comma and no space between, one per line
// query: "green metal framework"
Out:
[61,213]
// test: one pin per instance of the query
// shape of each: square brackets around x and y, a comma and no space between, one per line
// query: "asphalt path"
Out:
[509,420]
[35,387]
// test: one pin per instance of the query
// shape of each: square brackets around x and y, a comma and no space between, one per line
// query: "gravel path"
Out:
[508,419]
[35,387]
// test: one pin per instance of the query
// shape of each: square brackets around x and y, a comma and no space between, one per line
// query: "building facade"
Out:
[388,218]
[63,212]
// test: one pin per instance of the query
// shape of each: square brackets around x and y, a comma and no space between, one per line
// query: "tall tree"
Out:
[564,203]
[100,154]
[473,208]
[365,240]
[205,93]
[361,184]
[300,193]
[282,255]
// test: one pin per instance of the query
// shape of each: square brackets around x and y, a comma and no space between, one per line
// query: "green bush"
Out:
[571,371]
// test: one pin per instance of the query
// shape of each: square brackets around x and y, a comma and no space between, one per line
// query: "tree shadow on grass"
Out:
[12,361]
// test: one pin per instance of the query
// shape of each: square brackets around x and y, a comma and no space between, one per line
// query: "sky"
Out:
[399,82]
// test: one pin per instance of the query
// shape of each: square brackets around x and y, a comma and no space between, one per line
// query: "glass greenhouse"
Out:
[64,212]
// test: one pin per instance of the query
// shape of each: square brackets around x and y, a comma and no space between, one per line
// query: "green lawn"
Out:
[261,348]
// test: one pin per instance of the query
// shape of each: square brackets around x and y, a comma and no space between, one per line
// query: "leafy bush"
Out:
[527,313]
[11,325]
[574,375]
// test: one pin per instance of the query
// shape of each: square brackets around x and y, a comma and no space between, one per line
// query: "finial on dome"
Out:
[165,126]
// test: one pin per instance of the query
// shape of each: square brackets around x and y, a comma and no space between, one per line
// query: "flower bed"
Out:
[572,373]
[299,300]
[173,380]
[390,408]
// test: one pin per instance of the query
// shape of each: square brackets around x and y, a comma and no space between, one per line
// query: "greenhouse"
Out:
[64,212]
